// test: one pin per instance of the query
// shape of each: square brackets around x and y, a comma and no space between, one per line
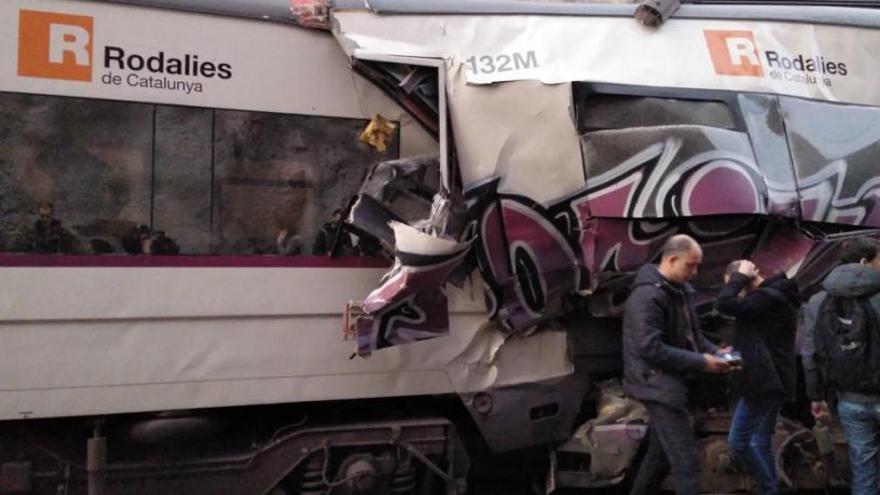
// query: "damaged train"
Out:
[403,231]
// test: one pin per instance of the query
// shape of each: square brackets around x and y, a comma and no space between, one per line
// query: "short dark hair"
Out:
[677,244]
[858,249]
[732,267]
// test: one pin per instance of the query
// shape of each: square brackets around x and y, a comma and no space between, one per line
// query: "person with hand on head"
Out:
[841,355]
[663,350]
[765,311]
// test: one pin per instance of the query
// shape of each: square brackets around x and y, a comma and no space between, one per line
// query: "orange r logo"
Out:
[734,53]
[54,46]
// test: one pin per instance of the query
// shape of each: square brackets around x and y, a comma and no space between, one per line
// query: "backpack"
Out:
[848,344]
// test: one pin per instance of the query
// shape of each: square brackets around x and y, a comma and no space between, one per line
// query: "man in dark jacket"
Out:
[766,328]
[857,277]
[662,348]
[48,235]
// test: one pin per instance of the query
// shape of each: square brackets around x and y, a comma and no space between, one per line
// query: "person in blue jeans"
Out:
[859,410]
[766,325]
[861,426]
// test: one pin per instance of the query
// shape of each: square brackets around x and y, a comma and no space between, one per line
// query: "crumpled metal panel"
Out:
[396,191]
[411,304]
[747,175]
[733,185]
[661,175]
[401,203]
[644,184]
[527,263]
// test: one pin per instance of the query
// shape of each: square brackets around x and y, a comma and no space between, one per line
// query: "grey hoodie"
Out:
[850,280]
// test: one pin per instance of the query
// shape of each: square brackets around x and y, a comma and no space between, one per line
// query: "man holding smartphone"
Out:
[663,349]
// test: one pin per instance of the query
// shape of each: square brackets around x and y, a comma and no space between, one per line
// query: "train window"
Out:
[277,172]
[96,176]
[91,159]
[608,111]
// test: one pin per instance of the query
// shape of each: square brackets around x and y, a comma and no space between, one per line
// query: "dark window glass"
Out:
[604,111]
[127,177]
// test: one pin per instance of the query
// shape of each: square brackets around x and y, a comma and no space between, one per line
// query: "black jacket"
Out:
[766,329]
[849,280]
[662,342]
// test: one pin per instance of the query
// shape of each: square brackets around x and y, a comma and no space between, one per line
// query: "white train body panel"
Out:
[95,340]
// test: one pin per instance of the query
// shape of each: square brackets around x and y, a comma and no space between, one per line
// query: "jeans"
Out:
[750,437]
[861,425]
[671,442]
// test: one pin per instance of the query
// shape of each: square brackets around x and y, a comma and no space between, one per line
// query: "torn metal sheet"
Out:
[372,217]
[408,190]
[406,186]
[411,304]
[420,316]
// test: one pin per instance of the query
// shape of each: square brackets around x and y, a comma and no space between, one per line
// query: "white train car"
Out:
[179,293]
[220,132]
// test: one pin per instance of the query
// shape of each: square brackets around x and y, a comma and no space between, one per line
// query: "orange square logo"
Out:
[54,46]
[734,53]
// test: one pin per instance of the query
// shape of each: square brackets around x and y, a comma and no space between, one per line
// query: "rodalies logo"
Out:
[735,53]
[54,46]
[59,46]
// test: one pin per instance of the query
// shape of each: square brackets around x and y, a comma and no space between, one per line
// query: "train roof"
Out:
[861,13]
